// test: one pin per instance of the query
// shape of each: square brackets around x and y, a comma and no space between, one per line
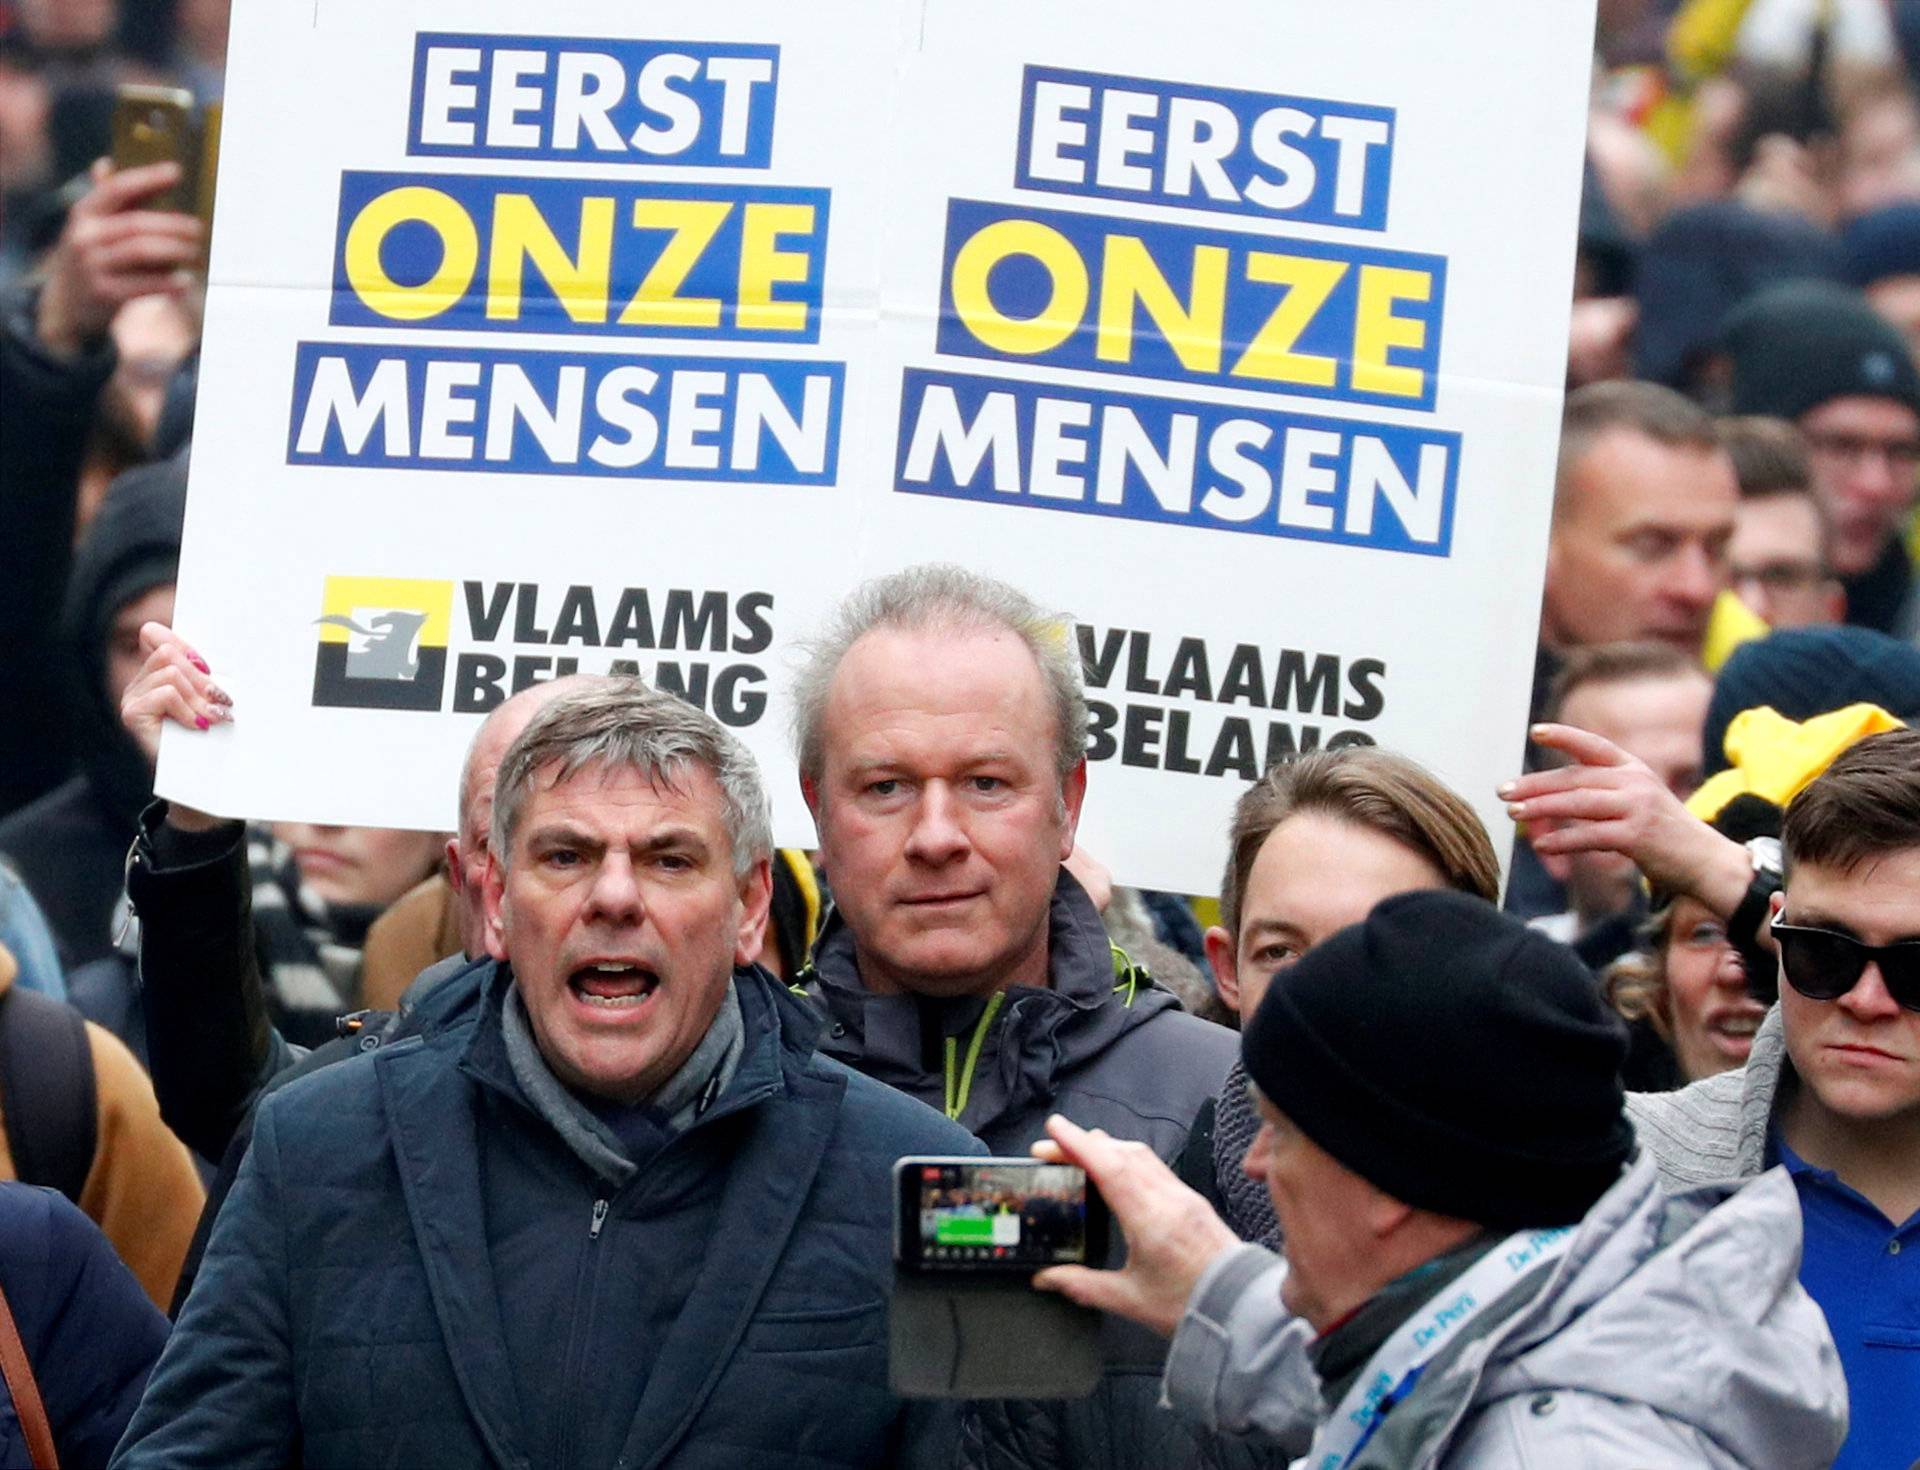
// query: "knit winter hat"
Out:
[1794,347]
[1452,1057]
[1701,263]
[1883,242]
[1803,672]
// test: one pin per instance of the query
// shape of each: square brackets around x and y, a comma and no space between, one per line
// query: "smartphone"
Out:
[957,1217]
[207,167]
[156,125]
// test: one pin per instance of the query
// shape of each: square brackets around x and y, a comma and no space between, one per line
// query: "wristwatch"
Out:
[1745,922]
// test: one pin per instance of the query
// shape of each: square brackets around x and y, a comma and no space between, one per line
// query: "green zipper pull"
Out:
[957,1097]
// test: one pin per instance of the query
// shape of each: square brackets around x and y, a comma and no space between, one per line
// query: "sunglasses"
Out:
[1823,965]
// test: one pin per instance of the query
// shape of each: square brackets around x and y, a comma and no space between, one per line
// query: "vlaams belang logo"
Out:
[383,643]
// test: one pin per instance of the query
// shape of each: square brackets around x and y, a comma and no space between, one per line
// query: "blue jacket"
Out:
[89,1330]
[412,1270]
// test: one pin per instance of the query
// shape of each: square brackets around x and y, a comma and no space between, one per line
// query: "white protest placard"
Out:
[587,337]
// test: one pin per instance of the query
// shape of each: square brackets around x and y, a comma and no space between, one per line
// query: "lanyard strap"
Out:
[957,1095]
[1392,1370]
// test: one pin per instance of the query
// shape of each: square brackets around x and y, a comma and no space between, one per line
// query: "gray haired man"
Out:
[941,728]
[607,1206]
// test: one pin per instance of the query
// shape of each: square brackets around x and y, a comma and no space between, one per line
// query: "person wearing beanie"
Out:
[1481,1272]
[1882,250]
[1701,262]
[1816,353]
[1803,672]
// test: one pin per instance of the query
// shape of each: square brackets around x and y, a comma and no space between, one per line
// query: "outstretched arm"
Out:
[1607,801]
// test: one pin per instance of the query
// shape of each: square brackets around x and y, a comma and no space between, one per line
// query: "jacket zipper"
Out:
[587,1289]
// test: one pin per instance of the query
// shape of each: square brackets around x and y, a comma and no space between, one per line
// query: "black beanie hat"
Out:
[1452,1057]
[1795,347]
[1703,261]
[1883,242]
[1803,672]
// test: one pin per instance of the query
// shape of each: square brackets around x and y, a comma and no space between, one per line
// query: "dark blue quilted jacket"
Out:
[353,1309]
[89,1330]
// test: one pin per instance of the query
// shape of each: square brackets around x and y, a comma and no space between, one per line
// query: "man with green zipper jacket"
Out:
[941,727]
[606,1206]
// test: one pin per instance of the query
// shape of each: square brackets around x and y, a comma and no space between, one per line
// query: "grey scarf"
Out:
[1247,1206]
[703,1076]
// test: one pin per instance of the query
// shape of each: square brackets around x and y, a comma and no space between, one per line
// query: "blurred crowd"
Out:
[1729,621]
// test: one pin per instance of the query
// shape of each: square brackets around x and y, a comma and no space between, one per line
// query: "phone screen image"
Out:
[995,1215]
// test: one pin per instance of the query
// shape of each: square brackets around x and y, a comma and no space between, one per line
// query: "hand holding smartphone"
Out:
[162,125]
[966,1321]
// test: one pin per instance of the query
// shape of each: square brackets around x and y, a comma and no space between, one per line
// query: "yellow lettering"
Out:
[1066,301]
[1376,330]
[693,224]
[459,253]
[1309,282]
[762,266]
[520,234]
[1192,329]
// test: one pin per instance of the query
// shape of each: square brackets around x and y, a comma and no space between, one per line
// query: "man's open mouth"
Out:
[613,984]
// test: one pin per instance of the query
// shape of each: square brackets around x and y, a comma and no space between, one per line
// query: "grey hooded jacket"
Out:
[1717,1128]
[1672,1333]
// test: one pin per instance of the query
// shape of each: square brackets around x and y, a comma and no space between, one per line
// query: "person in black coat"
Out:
[71,845]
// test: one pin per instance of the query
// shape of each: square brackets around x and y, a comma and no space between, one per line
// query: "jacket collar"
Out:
[1618,1233]
[1037,1034]
[1765,1082]
[772,1156]
[1343,1350]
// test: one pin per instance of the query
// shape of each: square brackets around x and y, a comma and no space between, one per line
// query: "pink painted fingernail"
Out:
[200,663]
[202,721]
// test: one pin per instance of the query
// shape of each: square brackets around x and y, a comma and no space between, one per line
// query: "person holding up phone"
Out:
[1480,1272]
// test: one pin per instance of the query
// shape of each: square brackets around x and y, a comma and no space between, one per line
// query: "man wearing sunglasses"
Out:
[1832,1088]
